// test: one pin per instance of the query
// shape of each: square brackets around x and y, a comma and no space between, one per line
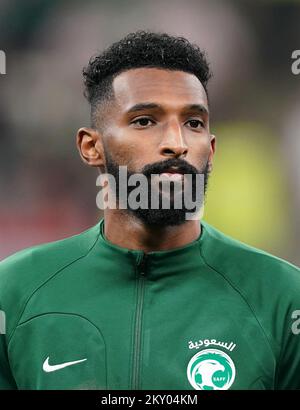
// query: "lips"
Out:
[173,177]
[172,173]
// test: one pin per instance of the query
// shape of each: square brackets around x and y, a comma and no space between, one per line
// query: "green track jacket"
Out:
[82,313]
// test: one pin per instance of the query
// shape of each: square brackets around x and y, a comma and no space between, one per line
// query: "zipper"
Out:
[141,272]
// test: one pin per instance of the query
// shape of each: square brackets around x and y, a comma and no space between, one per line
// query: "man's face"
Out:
[157,120]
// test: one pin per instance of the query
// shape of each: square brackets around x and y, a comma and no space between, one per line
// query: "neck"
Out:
[127,231]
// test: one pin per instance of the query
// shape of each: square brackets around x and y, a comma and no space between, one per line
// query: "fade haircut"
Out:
[136,50]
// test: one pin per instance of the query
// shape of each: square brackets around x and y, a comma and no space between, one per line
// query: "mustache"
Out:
[162,166]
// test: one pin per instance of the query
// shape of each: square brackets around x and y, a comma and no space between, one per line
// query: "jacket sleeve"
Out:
[6,379]
[288,369]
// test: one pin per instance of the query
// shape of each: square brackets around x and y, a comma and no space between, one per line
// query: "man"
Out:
[148,298]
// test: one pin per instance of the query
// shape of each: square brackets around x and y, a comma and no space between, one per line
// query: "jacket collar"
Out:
[167,262]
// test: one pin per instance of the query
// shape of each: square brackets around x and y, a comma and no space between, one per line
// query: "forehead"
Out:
[167,87]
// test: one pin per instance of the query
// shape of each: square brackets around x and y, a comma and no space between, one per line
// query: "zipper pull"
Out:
[142,264]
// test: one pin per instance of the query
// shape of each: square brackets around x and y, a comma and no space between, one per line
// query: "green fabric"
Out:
[214,314]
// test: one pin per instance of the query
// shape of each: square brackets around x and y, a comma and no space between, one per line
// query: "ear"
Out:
[211,151]
[90,147]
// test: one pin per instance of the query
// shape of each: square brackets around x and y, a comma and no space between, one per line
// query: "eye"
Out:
[196,124]
[143,122]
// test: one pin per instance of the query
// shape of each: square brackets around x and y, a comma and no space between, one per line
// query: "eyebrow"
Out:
[151,106]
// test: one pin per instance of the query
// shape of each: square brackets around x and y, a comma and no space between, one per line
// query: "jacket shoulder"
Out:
[24,271]
[239,260]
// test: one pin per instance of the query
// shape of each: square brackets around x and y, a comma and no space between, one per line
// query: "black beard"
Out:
[162,217]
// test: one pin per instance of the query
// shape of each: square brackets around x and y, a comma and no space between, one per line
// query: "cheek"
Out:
[126,149]
[117,145]
[124,152]
[199,150]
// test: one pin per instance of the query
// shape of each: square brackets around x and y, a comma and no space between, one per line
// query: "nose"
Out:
[173,143]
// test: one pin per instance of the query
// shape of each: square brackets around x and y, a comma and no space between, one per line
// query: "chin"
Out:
[161,217]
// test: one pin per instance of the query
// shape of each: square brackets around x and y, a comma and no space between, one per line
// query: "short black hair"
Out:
[141,49]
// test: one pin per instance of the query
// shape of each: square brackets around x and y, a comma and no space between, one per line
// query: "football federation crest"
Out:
[211,369]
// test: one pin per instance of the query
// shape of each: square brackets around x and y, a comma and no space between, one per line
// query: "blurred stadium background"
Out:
[47,193]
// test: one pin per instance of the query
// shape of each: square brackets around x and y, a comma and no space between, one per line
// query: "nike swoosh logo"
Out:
[49,368]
